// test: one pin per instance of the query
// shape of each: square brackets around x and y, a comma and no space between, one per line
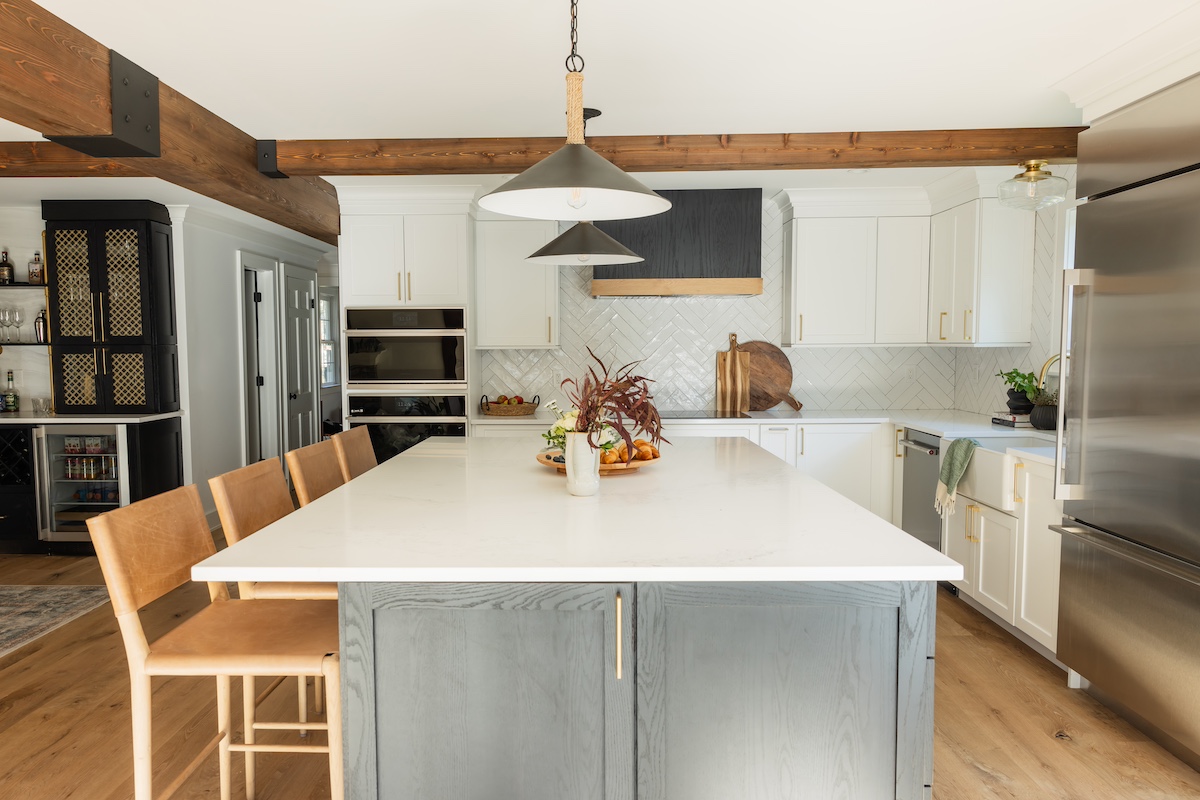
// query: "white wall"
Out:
[209,285]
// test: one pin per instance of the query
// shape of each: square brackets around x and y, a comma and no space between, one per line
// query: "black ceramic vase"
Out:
[1044,418]
[1019,402]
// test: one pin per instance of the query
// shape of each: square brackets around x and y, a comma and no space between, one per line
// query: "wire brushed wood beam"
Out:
[55,79]
[868,149]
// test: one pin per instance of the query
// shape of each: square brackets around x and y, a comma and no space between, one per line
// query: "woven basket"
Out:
[498,410]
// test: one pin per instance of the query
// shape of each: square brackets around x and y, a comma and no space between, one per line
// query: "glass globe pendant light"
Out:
[1033,189]
[584,243]
[575,182]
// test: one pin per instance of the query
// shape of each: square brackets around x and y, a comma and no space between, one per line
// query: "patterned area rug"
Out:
[27,612]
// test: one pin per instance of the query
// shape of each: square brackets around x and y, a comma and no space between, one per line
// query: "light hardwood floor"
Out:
[1006,725]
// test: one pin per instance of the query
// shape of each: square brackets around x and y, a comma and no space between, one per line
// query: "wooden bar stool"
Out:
[315,471]
[248,499]
[146,550]
[355,454]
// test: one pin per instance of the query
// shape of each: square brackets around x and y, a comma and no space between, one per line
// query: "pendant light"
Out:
[574,183]
[584,243]
[1033,189]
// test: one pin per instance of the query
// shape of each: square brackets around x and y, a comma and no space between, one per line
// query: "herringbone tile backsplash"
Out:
[677,338]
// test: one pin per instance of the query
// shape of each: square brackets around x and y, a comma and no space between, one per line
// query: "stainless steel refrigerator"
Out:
[1129,612]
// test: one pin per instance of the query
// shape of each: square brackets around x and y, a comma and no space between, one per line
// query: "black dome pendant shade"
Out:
[584,243]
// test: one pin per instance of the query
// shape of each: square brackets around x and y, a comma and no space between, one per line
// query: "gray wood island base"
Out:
[660,691]
[717,626]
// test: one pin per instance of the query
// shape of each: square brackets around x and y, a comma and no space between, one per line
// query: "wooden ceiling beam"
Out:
[55,80]
[851,150]
[49,160]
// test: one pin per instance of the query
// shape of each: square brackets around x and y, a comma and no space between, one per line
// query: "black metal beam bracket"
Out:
[137,131]
[268,155]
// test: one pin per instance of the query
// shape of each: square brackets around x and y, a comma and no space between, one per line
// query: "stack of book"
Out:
[1010,419]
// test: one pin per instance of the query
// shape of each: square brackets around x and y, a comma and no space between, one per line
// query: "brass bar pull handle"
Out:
[400,286]
[800,332]
[410,287]
[976,509]
[619,643]
[966,328]
[549,329]
[899,447]
[802,441]
[100,306]
[941,326]
[1016,471]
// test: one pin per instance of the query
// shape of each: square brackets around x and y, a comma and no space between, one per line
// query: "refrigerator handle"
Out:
[1069,463]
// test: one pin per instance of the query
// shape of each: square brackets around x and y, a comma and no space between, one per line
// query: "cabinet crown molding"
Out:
[406,199]
[1164,55]
[870,202]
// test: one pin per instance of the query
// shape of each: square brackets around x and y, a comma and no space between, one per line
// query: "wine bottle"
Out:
[6,269]
[12,399]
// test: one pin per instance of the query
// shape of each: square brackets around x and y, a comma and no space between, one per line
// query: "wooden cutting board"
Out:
[770,376]
[733,379]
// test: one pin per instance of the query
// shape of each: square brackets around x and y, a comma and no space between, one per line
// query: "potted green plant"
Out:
[1024,389]
[1044,416]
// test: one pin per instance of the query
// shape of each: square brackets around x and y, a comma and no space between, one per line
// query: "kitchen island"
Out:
[716,624]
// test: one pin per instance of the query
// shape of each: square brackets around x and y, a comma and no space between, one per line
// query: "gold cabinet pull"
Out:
[1016,470]
[941,326]
[549,338]
[400,286]
[971,523]
[619,626]
[100,306]
[966,328]
[800,332]
[899,447]
[802,441]
[410,287]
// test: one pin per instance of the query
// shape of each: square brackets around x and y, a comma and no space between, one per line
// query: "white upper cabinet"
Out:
[435,260]
[901,280]
[833,281]
[980,275]
[856,269]
[401,246]
[516,303]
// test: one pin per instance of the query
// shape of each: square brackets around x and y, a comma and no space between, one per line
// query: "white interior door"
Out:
[302,389]
[260,358]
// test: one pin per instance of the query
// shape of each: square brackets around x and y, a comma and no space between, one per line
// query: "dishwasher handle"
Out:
[909,444]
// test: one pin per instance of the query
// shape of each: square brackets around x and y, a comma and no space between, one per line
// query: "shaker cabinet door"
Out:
[478,692]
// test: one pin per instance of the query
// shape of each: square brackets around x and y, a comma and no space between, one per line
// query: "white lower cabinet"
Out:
[1038,555]
[853,460]
[1010,562]
[676,429]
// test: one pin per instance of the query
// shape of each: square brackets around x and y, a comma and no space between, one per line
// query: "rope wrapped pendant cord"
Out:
[574,108]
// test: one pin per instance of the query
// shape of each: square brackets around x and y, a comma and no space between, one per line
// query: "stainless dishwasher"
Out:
[921,466]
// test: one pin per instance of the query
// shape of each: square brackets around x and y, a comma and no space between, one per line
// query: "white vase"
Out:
[583,465]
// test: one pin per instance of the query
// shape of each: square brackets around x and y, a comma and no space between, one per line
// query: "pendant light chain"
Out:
[574,83]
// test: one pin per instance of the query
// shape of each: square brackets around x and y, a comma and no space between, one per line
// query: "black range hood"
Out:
[709,243]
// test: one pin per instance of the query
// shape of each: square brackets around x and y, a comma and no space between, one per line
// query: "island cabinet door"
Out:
[770,690]
[488,691]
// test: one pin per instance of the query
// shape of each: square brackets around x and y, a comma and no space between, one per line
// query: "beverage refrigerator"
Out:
[82,472]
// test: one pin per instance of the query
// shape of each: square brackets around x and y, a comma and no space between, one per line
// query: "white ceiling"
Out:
[297,69]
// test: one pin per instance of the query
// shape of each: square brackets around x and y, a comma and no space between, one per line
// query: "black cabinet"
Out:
[18,491]
[110,281]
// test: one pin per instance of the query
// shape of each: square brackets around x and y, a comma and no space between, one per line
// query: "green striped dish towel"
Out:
[954,464]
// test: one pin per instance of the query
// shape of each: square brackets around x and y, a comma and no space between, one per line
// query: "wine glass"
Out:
[5,321]
[18,319]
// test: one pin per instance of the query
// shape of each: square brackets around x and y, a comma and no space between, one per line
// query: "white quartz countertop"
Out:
[29,418]
[483,510]
[946,424]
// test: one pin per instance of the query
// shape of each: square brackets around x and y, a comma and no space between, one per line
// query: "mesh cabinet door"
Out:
[75,372]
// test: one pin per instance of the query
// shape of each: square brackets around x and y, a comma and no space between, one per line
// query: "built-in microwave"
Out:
[405,346]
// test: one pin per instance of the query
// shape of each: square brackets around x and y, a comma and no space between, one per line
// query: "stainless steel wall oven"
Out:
[406,375]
